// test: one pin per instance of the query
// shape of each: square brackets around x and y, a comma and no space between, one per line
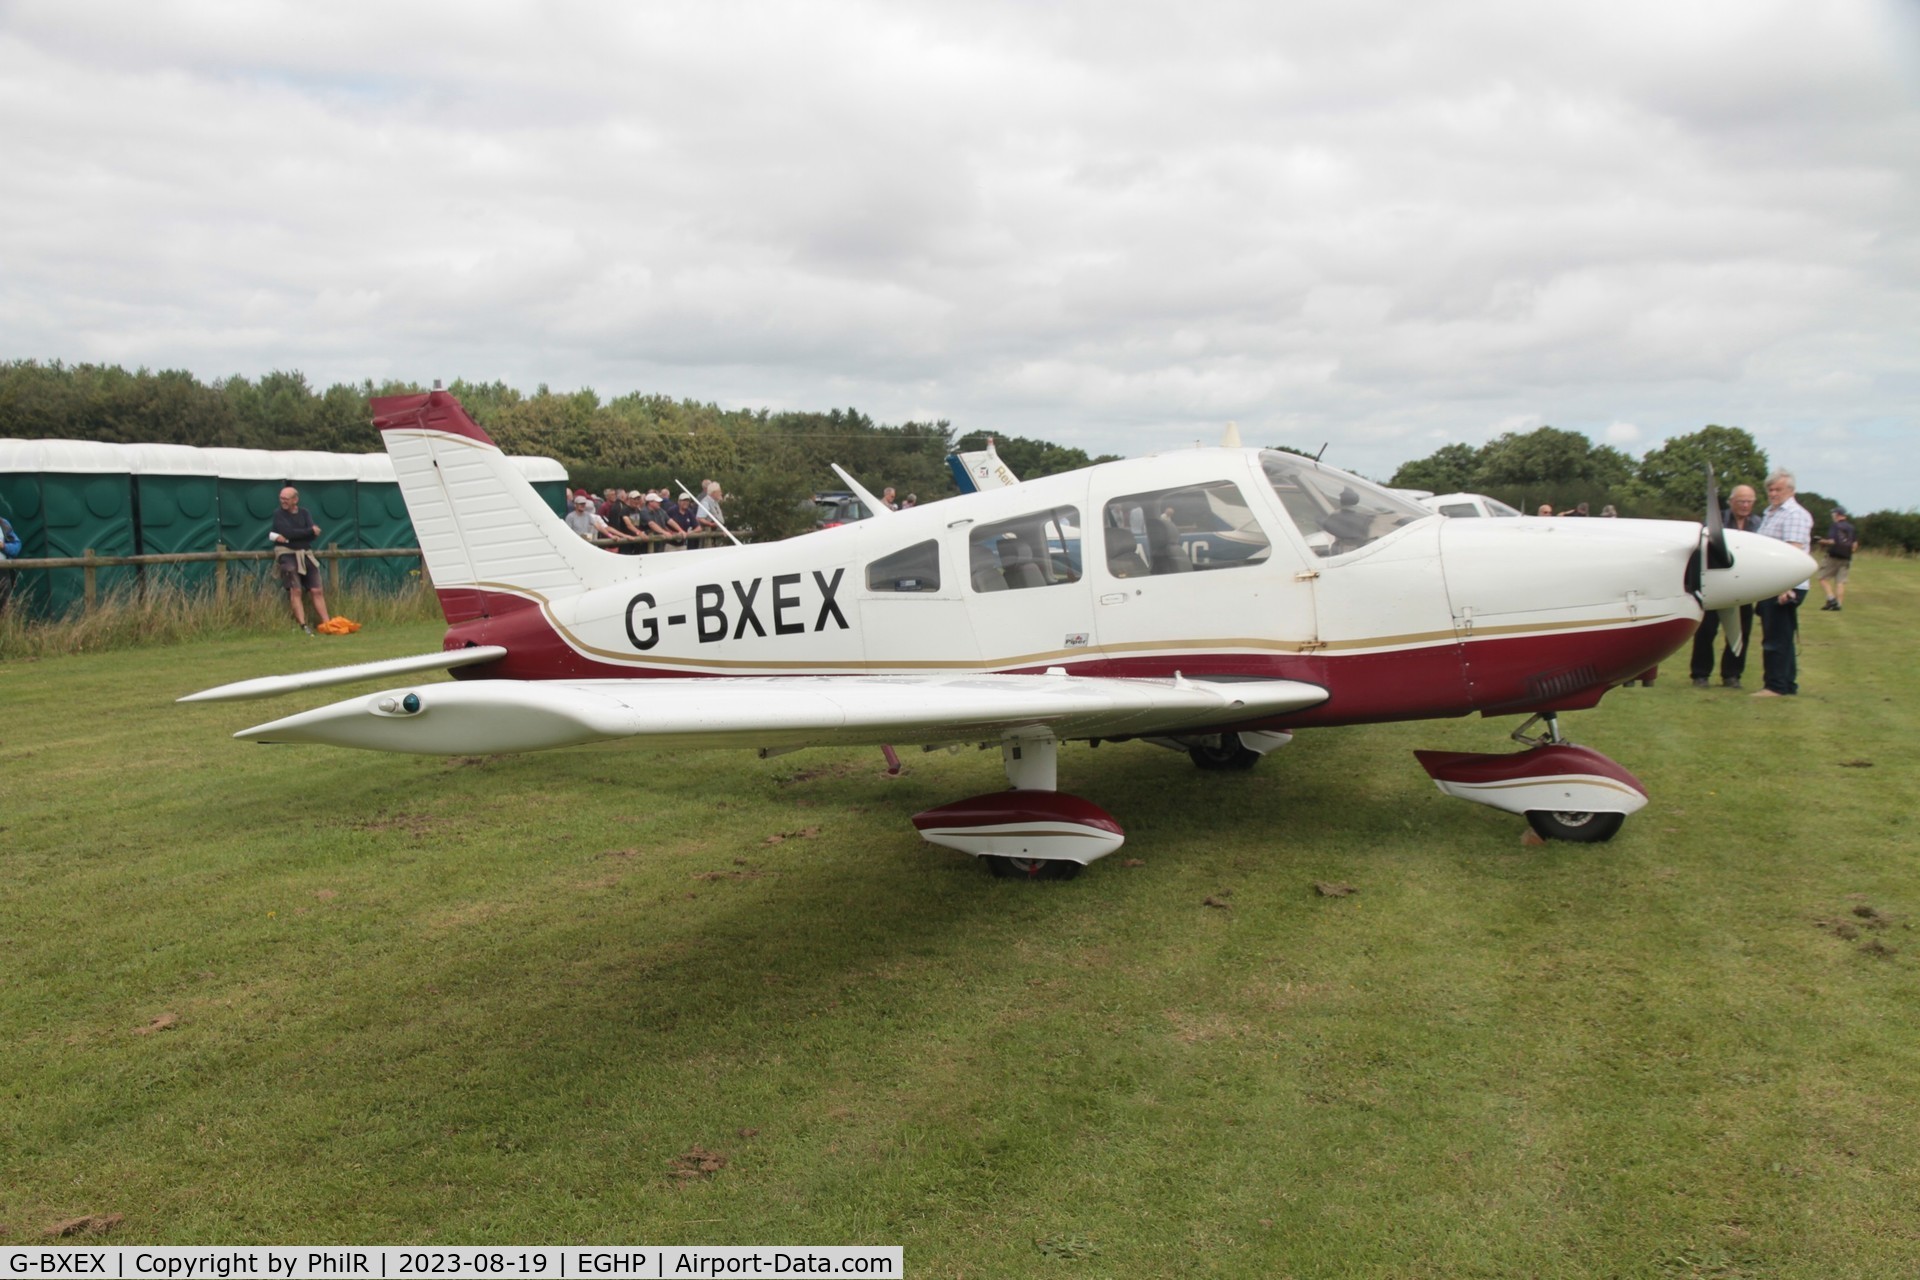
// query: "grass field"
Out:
[259,995]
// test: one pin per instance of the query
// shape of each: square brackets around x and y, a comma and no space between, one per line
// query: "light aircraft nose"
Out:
[1762,567]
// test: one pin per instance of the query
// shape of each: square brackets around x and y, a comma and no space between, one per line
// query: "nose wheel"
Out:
[1007,868]
[1225,753]
[1578,827]
[1565,792]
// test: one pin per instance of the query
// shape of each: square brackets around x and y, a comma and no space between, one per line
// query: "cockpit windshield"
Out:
[1335,512]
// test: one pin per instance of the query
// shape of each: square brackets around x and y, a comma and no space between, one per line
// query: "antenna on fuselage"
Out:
[1230,438]
[874,504]
[1323,449]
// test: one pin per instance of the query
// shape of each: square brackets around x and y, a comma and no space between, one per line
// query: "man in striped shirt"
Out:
[1791,523]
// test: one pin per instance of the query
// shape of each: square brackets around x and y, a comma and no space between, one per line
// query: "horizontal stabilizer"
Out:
[268,686]
[489,716]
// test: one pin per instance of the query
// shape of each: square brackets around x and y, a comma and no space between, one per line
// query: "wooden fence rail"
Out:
[91,563]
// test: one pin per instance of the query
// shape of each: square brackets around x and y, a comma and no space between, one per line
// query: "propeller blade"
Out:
[1718,556]
[1730,628]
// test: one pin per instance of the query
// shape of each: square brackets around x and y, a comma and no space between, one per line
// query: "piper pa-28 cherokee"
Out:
[1212,600]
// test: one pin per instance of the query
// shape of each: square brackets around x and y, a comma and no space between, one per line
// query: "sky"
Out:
[1115,225]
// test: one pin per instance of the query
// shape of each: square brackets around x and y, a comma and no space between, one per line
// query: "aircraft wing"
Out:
[268,686]
[488,716]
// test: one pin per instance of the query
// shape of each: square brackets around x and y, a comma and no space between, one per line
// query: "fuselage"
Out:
[1216,563]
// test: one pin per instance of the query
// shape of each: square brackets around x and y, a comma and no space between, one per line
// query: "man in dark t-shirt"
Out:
[684,515]
[293,536]
[620,513]
[1840,542]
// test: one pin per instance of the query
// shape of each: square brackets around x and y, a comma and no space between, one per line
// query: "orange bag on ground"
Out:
[338,626]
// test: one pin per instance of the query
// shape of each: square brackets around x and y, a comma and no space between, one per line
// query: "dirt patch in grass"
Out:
[696,1163]
[467,916]
[1861,916]
[833,769]
[1202,1028]
[739,872]
[413,824]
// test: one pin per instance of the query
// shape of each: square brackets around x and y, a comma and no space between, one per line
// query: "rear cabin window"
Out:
[915,568]
[1041,549]
[1194,527]
[1335,512]
[1459,509]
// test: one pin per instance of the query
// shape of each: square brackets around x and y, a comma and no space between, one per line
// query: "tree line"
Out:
[1564,468]
[769,463]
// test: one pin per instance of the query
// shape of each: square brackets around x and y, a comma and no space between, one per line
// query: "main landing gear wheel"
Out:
[1579,827]
[1230,753]
[1008,868]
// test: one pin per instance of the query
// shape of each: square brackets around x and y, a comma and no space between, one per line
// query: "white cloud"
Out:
[1114,225]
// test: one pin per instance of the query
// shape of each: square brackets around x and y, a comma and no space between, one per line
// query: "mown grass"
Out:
[503,999]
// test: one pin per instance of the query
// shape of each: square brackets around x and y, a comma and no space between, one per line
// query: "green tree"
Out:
[1543,456]
[1449,469]
[1672,479]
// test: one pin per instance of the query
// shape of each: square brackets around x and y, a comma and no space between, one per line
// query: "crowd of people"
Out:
[630,521]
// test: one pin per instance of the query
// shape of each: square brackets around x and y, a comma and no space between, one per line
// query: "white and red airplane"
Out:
[1212,600]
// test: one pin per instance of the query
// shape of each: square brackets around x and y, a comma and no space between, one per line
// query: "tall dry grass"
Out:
[163,614]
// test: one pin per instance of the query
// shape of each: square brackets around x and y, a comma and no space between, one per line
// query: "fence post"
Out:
[220,576]
[333,569]
[92,577]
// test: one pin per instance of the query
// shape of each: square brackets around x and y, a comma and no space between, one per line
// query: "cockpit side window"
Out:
[1335,512]
[1040,549]
[1196,526]
[914,568]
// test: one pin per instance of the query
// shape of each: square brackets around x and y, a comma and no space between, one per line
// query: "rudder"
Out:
[487,537]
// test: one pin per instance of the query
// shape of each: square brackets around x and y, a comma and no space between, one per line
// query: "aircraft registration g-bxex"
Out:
[1211,600]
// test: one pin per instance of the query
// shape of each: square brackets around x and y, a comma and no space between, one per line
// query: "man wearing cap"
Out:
[617,516]
[1840,542]
[585,521]
[293,536]
[652,519]
[684,516]
[1779,615]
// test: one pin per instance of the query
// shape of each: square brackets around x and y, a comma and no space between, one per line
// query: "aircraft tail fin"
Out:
[487,537]
[980,470]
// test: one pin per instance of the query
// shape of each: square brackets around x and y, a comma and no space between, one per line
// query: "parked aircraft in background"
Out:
[1211,600]
[1468,505]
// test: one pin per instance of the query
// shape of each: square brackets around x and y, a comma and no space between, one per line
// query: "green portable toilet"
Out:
[69,495]
[247,485]
[548,478]
[175,508]
[383,523]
